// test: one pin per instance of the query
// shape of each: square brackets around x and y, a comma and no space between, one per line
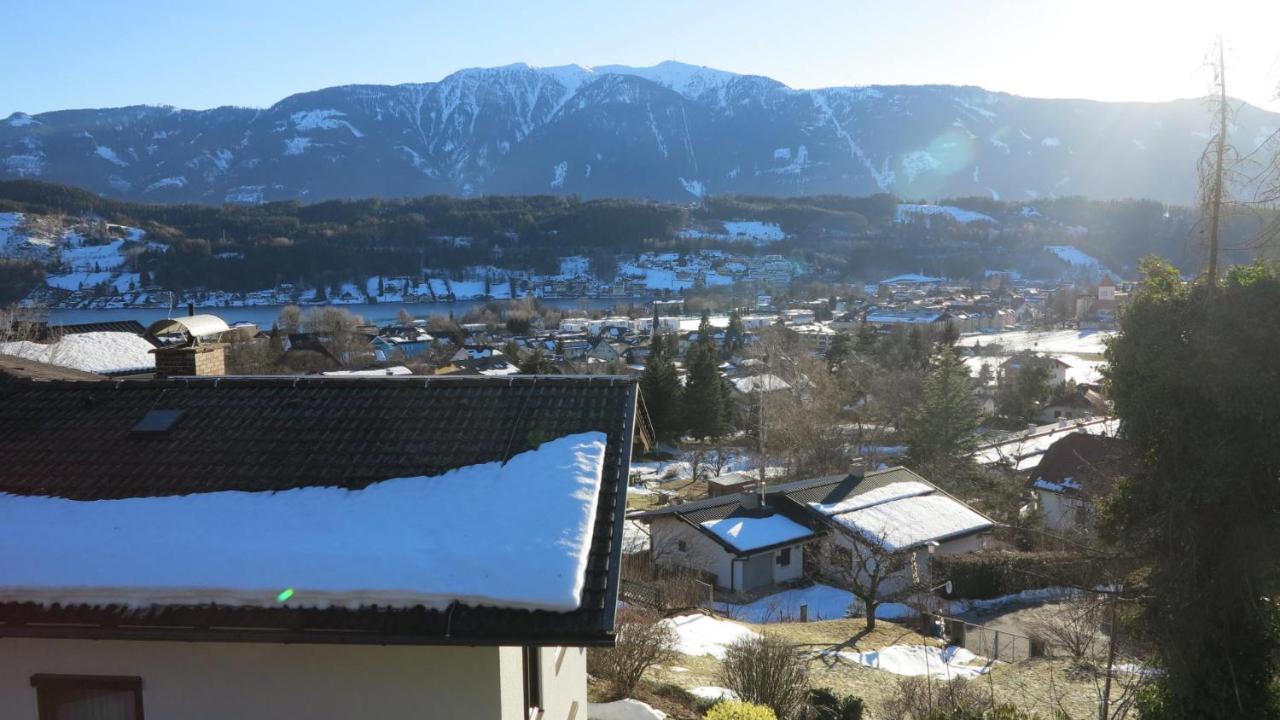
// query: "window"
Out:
[784,557]
[532,662]
[682,546]
[88,697]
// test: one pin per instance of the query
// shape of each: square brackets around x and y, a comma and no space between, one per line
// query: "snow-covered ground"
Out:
[401,542]
[918,660]
[908,210]
[1074,256]
[700,634]
[1024,449]
[1072,342]
[625,709]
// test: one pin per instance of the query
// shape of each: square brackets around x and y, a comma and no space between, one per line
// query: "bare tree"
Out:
[1213,165]
[643,641]
[873,570]
[1074,626]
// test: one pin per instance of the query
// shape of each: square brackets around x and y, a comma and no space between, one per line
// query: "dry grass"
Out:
[1041,686]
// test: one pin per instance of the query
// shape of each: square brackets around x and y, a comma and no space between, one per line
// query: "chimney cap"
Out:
[858,467]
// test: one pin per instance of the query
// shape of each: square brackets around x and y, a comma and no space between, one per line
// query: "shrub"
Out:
[826,705]
[917,698]
[643,641]
[738,710]
[768,671]
[992,574]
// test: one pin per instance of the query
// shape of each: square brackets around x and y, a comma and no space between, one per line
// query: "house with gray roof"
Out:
[751,541]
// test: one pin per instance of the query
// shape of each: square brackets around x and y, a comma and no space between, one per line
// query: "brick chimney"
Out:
[202,360]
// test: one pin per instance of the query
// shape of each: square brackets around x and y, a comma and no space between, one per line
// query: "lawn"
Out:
[1039,686]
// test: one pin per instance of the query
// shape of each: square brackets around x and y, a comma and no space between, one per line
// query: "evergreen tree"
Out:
[840,351]
[735,335]
[940,430]
[536,363]
[1021,390]
[660,387]
[276,342]
[705,396]
[1193,377]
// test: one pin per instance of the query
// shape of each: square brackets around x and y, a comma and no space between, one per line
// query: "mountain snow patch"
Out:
[169,182]
[1050,142]
[693,187]
[22,120]
[782,154]
[560,171]
[322,120]
[1076,257]
[25,165]
[754,231]
[917,162]
[109,155]
[296,145]
[906,210]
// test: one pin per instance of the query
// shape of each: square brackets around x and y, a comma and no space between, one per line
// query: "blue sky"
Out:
[63,54]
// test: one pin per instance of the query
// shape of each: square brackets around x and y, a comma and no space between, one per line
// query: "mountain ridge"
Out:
[671,131]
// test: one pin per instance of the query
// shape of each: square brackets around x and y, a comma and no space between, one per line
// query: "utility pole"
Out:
[1104,710]
[1219,155]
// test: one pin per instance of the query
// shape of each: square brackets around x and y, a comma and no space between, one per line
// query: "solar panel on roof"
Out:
[156,422]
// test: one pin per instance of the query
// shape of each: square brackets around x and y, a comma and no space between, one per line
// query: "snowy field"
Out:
[908,210]
[920,660]
[700,634]
[1072,342]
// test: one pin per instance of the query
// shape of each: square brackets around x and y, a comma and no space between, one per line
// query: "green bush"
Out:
[977,576]
[738,710]
[826,705]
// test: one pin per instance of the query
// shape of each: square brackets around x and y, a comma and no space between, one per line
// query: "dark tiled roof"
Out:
[43,332]
[835,488]
[1094,462]
[20,368]
[74,439]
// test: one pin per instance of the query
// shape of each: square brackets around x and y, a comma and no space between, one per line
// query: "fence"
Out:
[674,594]
[990,642]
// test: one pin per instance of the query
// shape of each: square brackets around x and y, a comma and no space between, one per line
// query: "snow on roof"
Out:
[885,493]
[378,372]
[760,383]
[1064,486]
[747,533]
[912,279]
[906,317]
[513,535]
[912,521]
[1035,443]
[95,352]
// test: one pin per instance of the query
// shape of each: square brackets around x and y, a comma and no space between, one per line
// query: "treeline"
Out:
[244,247]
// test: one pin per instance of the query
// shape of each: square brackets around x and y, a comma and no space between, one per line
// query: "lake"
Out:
[264,315]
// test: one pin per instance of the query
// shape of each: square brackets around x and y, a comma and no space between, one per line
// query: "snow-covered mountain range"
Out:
[669,132]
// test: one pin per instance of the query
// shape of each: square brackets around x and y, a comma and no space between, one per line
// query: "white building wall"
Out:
[699,552]
[794,571]
[269,681]
[1062,514]
[564,689]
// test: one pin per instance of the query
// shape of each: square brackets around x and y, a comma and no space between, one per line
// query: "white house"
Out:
[308,547]
[743,545]
[749,544]
[1072,475]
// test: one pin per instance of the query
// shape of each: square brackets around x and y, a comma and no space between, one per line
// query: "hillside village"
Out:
[749,532]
